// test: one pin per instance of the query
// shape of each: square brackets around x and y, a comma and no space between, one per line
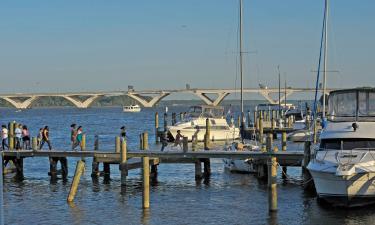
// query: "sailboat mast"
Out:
[241,60]
[325,57]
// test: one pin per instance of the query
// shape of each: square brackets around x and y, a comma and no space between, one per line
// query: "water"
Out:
[176,199]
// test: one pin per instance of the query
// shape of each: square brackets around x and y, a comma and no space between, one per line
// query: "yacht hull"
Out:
[217,135]
[357,189]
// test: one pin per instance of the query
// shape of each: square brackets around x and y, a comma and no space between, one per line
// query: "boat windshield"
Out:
[206,111]
[347,144]
[358,105]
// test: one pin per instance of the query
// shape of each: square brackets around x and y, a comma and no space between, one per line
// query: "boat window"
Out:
[366,104]
[343,104]
[347,144]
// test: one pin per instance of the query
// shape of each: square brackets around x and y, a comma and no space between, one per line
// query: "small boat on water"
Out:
[194,124]
[240,165]
[343,168]
[132,108]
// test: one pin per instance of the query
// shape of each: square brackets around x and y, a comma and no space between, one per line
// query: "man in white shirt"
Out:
[4,136]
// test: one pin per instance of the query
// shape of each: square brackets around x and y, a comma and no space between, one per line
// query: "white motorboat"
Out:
[131,108]
[194,124]
[343,168]
[239,165]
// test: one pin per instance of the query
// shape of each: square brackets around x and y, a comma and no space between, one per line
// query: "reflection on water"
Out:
[176,196]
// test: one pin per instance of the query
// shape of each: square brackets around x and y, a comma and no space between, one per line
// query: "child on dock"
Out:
[78,138]
[4,136]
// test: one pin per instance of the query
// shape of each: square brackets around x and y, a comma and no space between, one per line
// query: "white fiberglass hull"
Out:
[217,135]
[239,166]
[354,190]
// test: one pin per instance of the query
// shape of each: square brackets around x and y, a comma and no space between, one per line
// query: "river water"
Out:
[176,198]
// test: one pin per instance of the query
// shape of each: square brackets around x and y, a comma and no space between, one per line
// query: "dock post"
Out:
[239,121]
[34,143]
[146,175]
[307,154]
[156,127]
[173,119]
[117,144]
[194,142]
[64,168]
[18,162]
[95,173]
[198,169]
[272,177]
[261,139]
[283,148]
[107,172]
[248,119]
[83,142]
[53,168]
[207,168]
[165,122]
[77,176]
[123,164]
[185,146]
[11,135]
[207,135]
[1,190]
[308,184]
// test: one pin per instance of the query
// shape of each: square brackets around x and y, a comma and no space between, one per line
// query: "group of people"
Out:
[22,137]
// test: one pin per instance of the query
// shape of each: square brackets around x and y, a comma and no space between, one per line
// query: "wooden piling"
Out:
[123,164]
[64,167]
[77,176]
[156,127]
[207,135]
[185,146]
[83,142]
[95,173]
[261,139]
[198,169]
[272,177]
[53,168]
[283,148]
[146,175]
[173,119]
[11,135]
[117,144]
[307,154]
[107,172]
[34,143]
[194,142]
[207,168]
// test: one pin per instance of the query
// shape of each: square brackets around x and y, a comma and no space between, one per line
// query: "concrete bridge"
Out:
[148,98]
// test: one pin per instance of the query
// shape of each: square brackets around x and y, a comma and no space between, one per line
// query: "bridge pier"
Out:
[209,101]
[145,103]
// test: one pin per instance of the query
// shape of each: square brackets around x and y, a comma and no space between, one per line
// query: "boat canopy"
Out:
[352,105]
[206,111]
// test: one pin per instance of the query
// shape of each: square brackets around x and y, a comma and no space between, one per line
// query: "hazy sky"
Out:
[107,45]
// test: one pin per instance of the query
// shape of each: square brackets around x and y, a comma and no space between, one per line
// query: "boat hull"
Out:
[347,191]
[239,166]
[218,135]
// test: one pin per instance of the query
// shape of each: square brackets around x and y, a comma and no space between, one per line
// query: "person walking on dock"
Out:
[18,133]
[4,136]
[25,137]
[178,139]
[73,135]
[45,138]
[78,138]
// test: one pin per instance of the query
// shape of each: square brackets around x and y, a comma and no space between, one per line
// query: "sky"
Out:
[97,45]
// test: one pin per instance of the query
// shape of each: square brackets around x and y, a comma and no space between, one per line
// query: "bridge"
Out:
[148,98]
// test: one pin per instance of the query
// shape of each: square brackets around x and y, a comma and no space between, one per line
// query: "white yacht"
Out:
[132,108]
[195,124]
[343,168]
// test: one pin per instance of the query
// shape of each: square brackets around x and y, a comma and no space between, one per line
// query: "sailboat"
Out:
[239,165]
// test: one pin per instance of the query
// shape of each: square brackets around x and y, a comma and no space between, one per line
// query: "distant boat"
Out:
[131,108]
